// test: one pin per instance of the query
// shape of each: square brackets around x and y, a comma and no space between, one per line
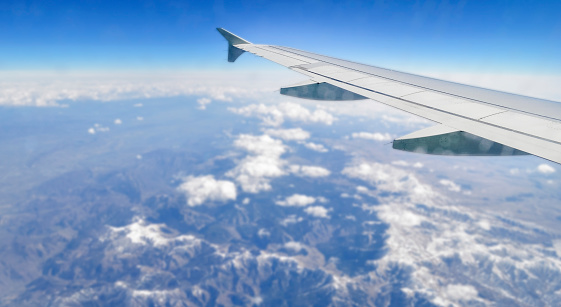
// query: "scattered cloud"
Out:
[316,147]
[451,185]
[97,128]
[263,233]
[200,189]
[262,164]
[295,134]
[296,200]
[294,246]
[291,219]
[376,136]
[317,211]
[144,233]
[309,171]
[275,115]
[118,121]
[139,118]
[391,179]
[459,293]
[545,169]
[407,164]
[138,105]
[203,102]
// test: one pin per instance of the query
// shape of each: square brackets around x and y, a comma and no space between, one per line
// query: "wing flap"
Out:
[444,140]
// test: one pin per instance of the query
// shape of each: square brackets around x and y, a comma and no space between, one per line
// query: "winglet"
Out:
[233,40]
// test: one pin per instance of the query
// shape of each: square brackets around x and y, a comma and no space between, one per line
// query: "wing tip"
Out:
[232,38]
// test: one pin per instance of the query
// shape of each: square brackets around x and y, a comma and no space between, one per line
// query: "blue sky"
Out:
[502,36]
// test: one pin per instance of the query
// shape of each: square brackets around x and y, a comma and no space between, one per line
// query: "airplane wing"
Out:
[471,120]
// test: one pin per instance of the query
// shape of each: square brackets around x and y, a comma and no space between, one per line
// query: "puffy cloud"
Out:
[256,170]
[388,178]
[203,102]
[200,189]
[316,147]
[407,164]
[144,233]
[451,185]
[376,136]
[263,233]
[296,134]
[545,169]
[461,292]
[97,128]
[317,211]
[275,115]
[296,200]
[309,171]
[295,246]
[118,121]
[260,145]
[291,219]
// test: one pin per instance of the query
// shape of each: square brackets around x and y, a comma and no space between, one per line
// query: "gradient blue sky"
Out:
[496,36]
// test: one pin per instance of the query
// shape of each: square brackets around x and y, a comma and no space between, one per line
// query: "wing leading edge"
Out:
[473,120]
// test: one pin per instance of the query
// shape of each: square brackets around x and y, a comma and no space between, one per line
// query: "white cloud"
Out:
[275,115]
[138,105]
[118,121]
[407,164]
[255,171]
[459,293]
[296,134]
[203,102]
[97,128]
[246,201]
[139,118]
[391,179]
[51,88]
[418,165]
[263,233]
[309,171]
[451,185]
[291,219]
[296,200]
[316,147]
[317,211]
[200,189]
[376,136]
[295,246]
[141,232]
[546,169]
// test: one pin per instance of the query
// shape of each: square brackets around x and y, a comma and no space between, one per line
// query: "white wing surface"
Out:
[473,120]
